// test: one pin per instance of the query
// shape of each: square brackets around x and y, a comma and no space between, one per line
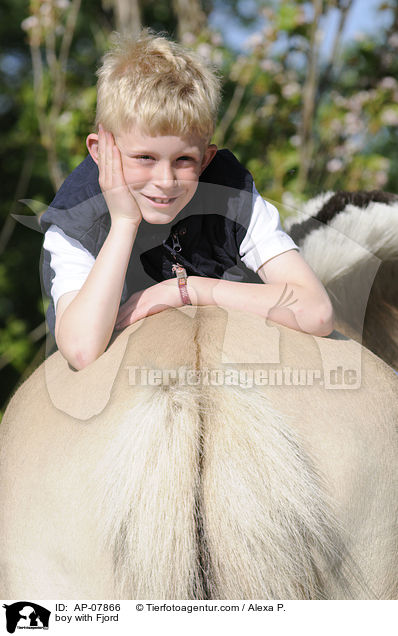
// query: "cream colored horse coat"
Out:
[111,489]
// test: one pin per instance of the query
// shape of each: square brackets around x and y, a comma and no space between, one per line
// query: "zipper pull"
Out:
[178,269]
[176,243]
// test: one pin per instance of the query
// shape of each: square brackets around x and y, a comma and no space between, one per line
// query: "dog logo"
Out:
[26,615]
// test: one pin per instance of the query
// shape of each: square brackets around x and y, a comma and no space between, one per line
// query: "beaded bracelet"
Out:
[181,274]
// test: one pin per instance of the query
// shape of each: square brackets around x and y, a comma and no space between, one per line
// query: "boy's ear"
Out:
[208,156]
[92,146]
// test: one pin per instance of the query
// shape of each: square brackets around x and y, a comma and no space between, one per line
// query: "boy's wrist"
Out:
[174,296]
[200,290]
[125,223]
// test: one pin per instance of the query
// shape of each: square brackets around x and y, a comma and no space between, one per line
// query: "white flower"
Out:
[271,99]
[381,178]
[29,23]
[216,39]
[387,59]
[388,83]
[353,145]
[352,123]
[204,50]
[290,90]
[295,140]
[269,32]
[65,118]
[289,200]
[340,101]
[256,39]
[389,117]
[334,165]
[188,38]
[270,66]
[45,8]
[393,40]
[62,4]
[267,65]
[359,99]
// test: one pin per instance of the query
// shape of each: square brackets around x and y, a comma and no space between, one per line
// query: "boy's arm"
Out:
[85,319]
[293,296]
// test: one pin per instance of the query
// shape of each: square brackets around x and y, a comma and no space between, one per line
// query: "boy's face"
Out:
[162,172]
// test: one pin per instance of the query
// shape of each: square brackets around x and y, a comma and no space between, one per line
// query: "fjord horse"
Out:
[206,454]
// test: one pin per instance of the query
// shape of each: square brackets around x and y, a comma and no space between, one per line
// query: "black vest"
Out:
[204,237]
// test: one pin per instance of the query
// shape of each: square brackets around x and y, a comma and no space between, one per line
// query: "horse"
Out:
[350,239]
[207,454]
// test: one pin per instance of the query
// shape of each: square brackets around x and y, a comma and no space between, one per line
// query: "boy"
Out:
[152,178]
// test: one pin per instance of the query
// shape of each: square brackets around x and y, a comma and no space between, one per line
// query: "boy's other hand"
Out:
[149,301]
[120,201]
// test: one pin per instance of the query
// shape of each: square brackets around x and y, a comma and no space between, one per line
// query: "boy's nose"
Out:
[164,175]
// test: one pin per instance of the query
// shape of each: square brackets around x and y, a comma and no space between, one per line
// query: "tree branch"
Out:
[190,15]
[127,16]
[230,113]
[21,189]
[309,95]
[345,8]
[70,26]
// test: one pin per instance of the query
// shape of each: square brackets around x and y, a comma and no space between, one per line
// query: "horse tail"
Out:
[268,527]
[208,494]
[149,479]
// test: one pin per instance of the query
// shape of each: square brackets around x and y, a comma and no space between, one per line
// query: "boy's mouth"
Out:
[161,200]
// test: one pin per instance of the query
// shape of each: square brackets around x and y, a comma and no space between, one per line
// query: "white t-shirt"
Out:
[72,263]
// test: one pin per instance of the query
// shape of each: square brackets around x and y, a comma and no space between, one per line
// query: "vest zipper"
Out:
[176,243]
[176,249]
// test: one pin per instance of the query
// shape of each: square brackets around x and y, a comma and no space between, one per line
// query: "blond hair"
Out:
[156,85]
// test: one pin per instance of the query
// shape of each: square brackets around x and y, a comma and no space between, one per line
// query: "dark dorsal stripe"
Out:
[336,204]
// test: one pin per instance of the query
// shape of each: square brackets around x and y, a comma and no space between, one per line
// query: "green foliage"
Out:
[354,115]
[14,344]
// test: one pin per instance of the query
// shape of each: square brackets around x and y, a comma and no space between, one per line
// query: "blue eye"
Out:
[141,158]
[186,158]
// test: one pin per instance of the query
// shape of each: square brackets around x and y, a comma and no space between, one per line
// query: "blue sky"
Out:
[363,18]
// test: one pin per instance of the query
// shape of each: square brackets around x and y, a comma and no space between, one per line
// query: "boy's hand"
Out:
[148,302]
[120,201]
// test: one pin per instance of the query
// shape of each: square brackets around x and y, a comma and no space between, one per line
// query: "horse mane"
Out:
[337,203]
[351,242]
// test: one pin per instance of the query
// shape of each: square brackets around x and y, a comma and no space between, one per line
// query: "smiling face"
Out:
[162,172]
